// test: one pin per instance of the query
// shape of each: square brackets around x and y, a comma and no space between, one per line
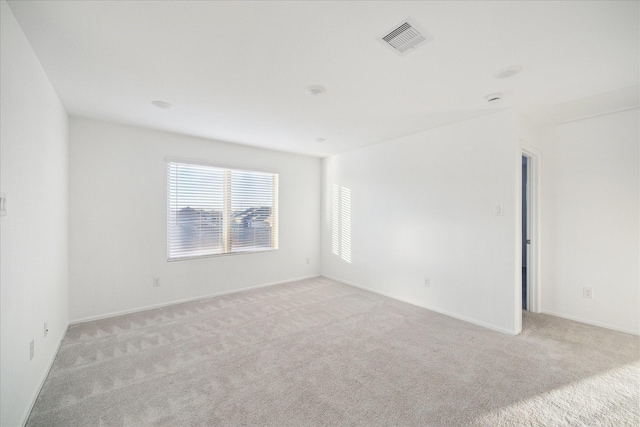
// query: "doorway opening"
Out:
[530,230]
[525,227]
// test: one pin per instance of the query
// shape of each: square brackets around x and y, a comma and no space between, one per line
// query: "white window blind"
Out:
[214,211]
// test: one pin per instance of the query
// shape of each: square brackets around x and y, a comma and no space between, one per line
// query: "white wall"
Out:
[33,236]
[591,220]
[423,206]
[118,220]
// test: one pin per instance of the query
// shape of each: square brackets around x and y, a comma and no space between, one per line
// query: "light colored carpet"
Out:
[318,352]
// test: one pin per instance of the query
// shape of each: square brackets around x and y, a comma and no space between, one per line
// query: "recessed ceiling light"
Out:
[507,72]
[493,97]
[315,90]
[162,104]
[321,139]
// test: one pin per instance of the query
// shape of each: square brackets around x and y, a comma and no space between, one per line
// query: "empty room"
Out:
[305,213]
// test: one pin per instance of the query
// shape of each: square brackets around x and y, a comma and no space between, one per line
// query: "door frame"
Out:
[534,291]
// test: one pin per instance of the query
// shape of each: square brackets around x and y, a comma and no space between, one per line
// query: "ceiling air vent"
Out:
[404,37]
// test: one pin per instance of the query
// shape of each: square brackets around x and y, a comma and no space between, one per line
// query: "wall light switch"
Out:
[498,211]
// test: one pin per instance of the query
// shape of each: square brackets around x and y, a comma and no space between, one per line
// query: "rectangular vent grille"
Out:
[404,37]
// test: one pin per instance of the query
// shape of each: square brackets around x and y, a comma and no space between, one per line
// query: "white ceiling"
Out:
[236,71]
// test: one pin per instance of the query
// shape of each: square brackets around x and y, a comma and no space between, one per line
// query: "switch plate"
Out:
[156,281]
[32,350]
[498,210]
[587,293]
[3,204]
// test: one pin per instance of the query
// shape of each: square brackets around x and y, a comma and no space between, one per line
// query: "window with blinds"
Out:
[215,211]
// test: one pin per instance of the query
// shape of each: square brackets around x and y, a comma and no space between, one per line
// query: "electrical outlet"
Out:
[32,350]
[587,293]
[427,282]
[156,281]
[46,329]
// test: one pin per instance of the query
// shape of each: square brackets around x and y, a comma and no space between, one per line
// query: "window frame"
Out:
[227,203]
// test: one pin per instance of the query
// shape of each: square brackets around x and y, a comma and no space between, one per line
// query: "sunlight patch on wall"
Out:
[341,222]
[335,220]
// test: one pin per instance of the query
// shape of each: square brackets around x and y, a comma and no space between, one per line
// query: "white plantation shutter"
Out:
[213,211]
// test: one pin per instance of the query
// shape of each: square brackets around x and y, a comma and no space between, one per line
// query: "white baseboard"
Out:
[36,392]
[437,310]
[590,322]
[181,301]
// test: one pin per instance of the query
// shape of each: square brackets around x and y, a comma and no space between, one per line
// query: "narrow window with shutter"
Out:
[216,211]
